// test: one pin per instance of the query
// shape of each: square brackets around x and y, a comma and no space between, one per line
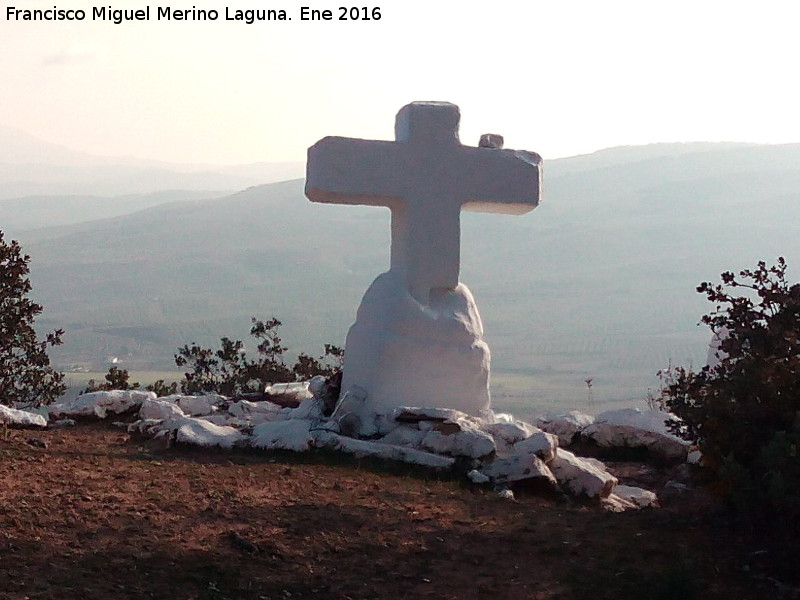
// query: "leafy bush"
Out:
[744,412]
[229,372]
[163,389]
[116,379]
[26,376]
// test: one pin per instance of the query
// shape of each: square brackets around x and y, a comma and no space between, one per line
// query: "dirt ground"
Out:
[100,514]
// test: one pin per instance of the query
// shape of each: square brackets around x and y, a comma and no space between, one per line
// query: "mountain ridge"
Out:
[598,282]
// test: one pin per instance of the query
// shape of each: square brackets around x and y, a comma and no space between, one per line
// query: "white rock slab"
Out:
[404,435]
[470,441]
[160,409]
[283,435]
[695,457]
[637,496]
[297,389]
[361,448]
[244,409]
[197,406]
[581,477]
[21,418]
[540,443]
[518,467]
[99,404]
[506,433]
[565,426]
[222,419]
[633,427]
[477,477]
[310,409]
[151,427]
[202,433]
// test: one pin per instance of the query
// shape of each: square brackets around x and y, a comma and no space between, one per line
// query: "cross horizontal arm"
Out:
[502,181]
[353,171]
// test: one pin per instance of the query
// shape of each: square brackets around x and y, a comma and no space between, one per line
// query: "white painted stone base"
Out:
[402,351]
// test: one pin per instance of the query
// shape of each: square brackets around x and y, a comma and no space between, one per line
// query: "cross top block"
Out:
[428,123]
[425,177]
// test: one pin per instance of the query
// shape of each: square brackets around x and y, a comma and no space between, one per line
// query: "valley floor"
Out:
[91,512]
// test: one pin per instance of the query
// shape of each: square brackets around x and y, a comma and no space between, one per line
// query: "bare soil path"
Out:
[98,514]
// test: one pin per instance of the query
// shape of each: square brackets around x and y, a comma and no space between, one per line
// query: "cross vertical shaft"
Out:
[425,177]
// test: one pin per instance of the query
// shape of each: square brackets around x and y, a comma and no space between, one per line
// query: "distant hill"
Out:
[35,212]
[599,281]
[32,167]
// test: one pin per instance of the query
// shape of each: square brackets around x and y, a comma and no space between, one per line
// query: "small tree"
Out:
[270,367]
[25,373]
[116,379]
[744,412]
[119,379]
[228,371]
[218,371]
[326,365]
[161,388]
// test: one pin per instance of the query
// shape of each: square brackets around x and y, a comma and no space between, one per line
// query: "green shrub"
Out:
[744,413]
[229,372]
[116,379]
[163,389]
[26,376]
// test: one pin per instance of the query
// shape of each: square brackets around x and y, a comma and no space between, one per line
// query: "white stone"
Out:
[283,435]
[297,389]
[202,433]
[375,449]
[160,409]
[197,406]
[21,418]
[309,408]
[565,426]
[221,419]
[581,477]
[151,427]
[540,443]
[404,435]
[506,434]
[316,384]
[633,427]
[617,504]
[244,409]
[506,494]
[417,333]
[470,442]
[598,464]
[99,404]
[637,496]
[518,467]
[501,417]
[476,476]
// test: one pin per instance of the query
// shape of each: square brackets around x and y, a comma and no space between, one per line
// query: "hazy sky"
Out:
[559,77]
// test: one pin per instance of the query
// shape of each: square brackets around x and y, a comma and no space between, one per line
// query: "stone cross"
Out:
[425,178]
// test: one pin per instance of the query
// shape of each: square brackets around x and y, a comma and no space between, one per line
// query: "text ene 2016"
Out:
[346,13]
